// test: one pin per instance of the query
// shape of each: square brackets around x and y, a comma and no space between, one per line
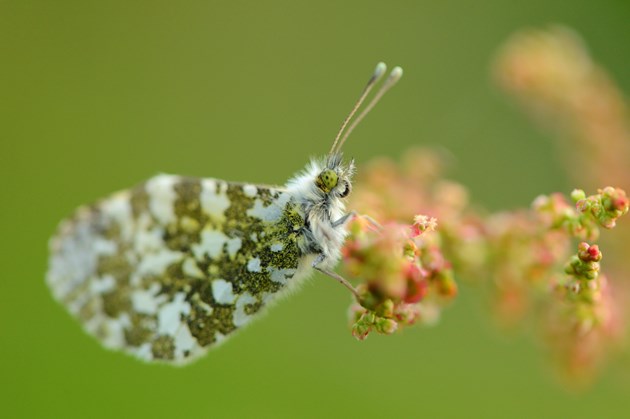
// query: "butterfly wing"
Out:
[172,267]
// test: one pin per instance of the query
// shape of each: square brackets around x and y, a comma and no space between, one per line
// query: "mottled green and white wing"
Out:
[170,268]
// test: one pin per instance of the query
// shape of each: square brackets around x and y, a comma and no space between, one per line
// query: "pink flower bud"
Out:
[588,253]
[422,223]
[417,286]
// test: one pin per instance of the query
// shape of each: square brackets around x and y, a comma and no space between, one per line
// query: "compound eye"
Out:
[346,191]
[327,180]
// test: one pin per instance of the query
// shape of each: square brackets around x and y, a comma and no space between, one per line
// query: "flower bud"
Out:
[422,223]
[386,309]
[417,286]
[588,253]
[386,326]
[360,330]
[578,195]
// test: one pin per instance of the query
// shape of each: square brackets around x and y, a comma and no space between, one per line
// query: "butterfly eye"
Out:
[346,191]
[327,180]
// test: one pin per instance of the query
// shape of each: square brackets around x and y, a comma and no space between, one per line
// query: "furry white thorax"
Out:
[321,210]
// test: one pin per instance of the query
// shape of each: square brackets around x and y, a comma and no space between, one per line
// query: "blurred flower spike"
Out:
[405,278]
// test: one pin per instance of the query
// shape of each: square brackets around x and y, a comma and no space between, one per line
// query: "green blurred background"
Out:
[97,96]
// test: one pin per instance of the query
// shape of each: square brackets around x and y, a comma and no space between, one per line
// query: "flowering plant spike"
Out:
[529,260]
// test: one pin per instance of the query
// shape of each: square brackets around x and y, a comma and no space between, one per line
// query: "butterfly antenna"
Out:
[393,78]
[378,73]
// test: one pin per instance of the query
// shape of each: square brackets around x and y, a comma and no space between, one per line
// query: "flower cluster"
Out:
[405,277]
[519,257]
[524,260]
[605,207]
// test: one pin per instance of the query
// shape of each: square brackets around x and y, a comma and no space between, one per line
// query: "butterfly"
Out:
[172,267]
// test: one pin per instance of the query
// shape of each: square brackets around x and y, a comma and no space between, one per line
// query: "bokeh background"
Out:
[97,96]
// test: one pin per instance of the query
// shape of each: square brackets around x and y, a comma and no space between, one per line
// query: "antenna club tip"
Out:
[379,70]
[396,74]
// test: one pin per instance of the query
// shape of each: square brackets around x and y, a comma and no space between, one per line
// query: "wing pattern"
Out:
[172,267]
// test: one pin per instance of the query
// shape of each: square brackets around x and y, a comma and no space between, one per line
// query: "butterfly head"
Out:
[335,179]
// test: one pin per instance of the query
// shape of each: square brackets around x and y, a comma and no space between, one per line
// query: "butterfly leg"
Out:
[335,276]
[373,223]
[344,219]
